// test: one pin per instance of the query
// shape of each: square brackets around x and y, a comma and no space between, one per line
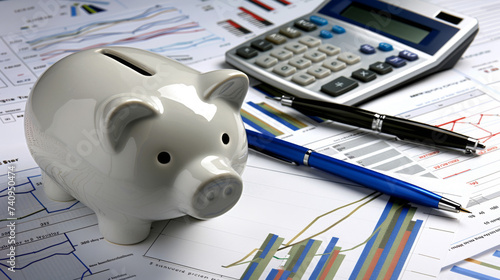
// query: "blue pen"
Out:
[374,180]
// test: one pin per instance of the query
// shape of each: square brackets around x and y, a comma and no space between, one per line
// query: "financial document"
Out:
[290,219]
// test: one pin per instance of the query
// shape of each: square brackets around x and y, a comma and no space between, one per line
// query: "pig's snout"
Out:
[216,196]
[214,187]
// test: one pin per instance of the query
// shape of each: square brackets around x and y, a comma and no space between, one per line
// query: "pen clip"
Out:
[271,155]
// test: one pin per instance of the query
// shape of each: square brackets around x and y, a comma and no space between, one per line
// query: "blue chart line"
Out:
[90,26]
[64,247]
[472,274]
[44,205]
[108,34]
[27,191]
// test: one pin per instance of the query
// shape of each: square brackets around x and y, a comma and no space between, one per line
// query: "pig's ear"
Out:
[115,117]
[228,84]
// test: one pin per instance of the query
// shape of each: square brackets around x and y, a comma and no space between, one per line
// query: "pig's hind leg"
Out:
[53,190]
[122,229]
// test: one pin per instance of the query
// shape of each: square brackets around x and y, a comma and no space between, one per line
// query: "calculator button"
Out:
[290,32]
[338,29]
[282,54]
[303,79]
[325,34]
[247,52]
[329,49]
[408,55]
[349,58]
[315,56]
[310,41]
[305,25]
[334,64]
[300,62]
[364,75]
[319,72]
[261,45]
[318,20]
[296,47]
[276,38]
[386,47]
[284,70]
[367,49]
[266,61]
[395,61]
[339,86]
[380,68]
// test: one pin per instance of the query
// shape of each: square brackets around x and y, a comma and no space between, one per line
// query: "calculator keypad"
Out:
[297,54]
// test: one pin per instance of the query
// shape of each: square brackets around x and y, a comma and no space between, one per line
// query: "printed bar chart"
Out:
[259,124]
[386,252]
[253,18]
[384,255]
[329,263]
[234,28]
[301,256]
[285,119]
[262,259]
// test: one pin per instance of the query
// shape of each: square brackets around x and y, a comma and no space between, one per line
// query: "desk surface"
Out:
[343,229]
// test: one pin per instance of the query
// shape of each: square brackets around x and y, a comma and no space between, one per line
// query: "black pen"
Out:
[403,129]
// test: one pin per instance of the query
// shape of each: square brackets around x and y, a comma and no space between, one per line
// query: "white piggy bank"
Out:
[138,137]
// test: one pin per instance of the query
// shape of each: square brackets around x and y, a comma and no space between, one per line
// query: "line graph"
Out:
[283,236]
[141,28]
[57,249]
[471,112]
[87,27]
[31,199]
[384,255]
[487,124]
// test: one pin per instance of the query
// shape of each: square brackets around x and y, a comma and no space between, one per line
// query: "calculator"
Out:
[350,51]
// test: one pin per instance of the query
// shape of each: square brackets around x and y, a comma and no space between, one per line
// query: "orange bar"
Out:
[373,263]
[397,255]
[278,276]
[329,264]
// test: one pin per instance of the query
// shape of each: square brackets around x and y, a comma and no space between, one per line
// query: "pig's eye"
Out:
[225,138]
[163,157]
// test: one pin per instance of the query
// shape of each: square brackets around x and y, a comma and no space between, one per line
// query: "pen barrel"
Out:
[423,133]
[275,147]
[336,112]
[374,180]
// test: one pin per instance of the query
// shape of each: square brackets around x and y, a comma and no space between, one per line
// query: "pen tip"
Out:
[481,146]
[464,210]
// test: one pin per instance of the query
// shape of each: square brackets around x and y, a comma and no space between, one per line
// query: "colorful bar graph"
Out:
[300,257]
[263,257]
[329,263]
[386,252]
[259,124]
[277,115]
[383,256]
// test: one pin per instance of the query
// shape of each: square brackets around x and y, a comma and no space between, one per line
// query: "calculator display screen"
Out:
[408,27]
[386,22]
